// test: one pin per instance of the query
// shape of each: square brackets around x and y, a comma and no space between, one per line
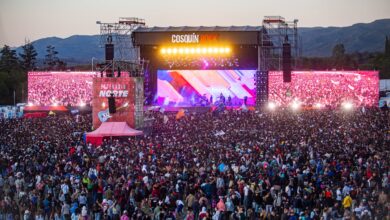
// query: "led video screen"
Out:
[200,87]
[327,88]
[331,88]
[60,88]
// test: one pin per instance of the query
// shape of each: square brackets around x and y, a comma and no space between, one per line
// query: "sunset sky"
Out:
[35,19]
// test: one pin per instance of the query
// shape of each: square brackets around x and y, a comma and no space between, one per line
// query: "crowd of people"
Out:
[60,88]
[228,165]
[330,88]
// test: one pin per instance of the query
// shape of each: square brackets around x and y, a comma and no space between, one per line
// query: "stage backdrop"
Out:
[128,93]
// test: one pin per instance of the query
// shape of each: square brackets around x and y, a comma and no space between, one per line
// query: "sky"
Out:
[22,20]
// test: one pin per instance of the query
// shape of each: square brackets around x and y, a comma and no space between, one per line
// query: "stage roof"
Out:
[238,35]
[199,29]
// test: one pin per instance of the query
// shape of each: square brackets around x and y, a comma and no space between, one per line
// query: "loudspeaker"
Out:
[111,104]
[286,62]
[119,72]
[109,51]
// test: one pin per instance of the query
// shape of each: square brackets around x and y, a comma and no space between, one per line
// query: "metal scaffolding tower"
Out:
[275,31]
[120,34]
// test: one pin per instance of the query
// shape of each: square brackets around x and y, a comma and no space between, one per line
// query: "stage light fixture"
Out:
[295,105]
[271,106]
[318,105]
[347,106]
[194,50]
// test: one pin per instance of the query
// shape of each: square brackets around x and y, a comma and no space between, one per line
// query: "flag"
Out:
[335,82]
[180,114]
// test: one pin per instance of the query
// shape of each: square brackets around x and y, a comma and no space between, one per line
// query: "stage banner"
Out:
[127,96]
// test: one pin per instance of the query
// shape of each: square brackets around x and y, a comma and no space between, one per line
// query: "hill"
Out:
[319,41]
[315,41]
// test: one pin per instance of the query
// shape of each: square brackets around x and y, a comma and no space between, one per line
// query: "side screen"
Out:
[328,88]
[60,88]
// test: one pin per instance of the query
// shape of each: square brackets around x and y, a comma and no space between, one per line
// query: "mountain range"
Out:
[314,41]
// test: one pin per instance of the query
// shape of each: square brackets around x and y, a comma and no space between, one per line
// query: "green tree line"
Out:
[14,68]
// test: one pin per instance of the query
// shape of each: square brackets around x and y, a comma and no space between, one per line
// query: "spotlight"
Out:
[186,50]
[271,106]
[169,51]
[174,51]
[181,50]
[30,104]
[163,50]
[204,50]
[198,50]
[318,105]
[82,104]
[295,105]
[221,50]
[215,50]
[192,50]
[55,104]
[209,50]
[227,50]
[347,105]
[103,105]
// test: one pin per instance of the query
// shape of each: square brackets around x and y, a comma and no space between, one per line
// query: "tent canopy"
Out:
[114,129]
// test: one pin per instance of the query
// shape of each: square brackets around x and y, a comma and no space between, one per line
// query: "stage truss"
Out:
[120,34]
[275,31]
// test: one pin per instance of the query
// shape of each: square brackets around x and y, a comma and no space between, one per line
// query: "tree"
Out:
[338,56]
[52,62]
[61,65]
[387,47]
[29,57]
[8,59]
[51,58]
[12,77]
[338,51]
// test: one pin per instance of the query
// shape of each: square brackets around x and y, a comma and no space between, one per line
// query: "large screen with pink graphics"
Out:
[192,87]
[60,88]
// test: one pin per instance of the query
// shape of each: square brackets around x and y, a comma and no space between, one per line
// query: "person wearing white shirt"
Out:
[65,188]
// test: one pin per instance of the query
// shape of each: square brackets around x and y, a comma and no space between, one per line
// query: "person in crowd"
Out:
[273,165]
